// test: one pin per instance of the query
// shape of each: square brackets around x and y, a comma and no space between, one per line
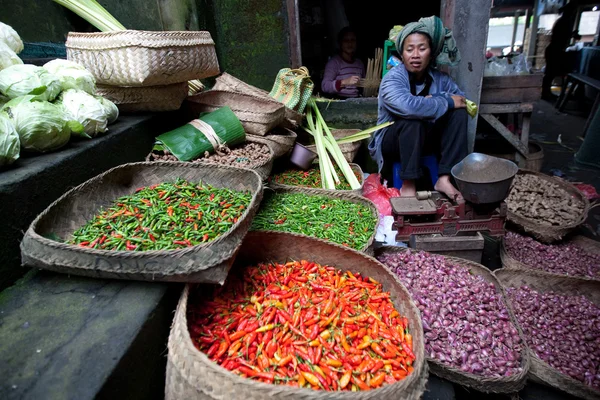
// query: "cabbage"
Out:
[26,79]
[9,36]
[8,57]
[72,75]
[110,109]
[85,109]
[41,126]
[9,142]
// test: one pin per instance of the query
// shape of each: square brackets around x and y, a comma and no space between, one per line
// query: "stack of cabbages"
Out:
[42,107]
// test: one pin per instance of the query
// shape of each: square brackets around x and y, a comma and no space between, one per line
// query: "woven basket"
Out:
[550,233]
[192,375]
[509,384]
[144,58]
[340,195]
[281,140]
[208,262]
[544,282]
[354,167]
[589,245]
[151,98]
[257,115]
[231,83]
[349,150]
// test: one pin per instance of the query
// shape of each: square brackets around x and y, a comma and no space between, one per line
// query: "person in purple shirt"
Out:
[427,107]
[343,70]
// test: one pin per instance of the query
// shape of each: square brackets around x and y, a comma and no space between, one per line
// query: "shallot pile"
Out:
[248,155]
[564,259]
[466,322]
[564,331]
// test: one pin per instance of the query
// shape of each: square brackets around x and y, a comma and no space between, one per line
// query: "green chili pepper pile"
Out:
[340,221]
[166,216]
[310,178]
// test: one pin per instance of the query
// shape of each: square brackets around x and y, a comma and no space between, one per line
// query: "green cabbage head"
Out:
[72,75]
[26,79]
[8,57]
[111,110]
[85,109]
[9,36]
[9,142]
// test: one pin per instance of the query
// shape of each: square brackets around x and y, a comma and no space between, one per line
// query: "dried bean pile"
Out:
[340,221]
[562,330]
[542,201]
[466,322]
[564,258]
[305,325]
[248,155]
[310,178]
[166,216]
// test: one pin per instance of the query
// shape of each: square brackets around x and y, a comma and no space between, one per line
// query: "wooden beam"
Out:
[514,95]
[506,134]
[512,81]
[505,108]
[515,28]
[294,37]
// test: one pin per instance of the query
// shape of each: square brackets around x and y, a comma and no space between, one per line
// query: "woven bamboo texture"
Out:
[144,58]
[281,139]
[192,375]
[149,98]
[340,195]
[358,192]
[231,83]
[207,262]
[509,384]
[257,115]
[550,233]
[589,245]
[349,150]
[543,282]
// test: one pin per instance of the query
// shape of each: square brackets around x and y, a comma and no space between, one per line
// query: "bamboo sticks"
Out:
[372,76]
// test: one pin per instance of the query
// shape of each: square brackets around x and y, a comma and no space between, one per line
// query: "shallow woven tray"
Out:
[257,115]
[231,83]
[550,233]
[349,150]
[483,384]
[281,140]
[354,167]
[207,262]
[144,58]
[192,375]
[340,195]
[589,245]
[149,98]
[544,282]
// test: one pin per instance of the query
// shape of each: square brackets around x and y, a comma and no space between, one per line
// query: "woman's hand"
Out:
[459,101]
[352,81]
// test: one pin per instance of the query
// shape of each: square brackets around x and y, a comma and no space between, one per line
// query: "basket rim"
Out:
[476,380]
[136,38]
[33,234]
[309,393]
[271,107]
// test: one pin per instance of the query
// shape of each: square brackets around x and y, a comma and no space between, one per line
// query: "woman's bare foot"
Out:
[409,189]
[444,185]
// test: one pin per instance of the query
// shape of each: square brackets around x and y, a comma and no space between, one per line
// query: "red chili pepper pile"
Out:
[304,325]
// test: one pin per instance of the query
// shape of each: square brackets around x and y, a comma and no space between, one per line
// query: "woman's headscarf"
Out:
[443,45]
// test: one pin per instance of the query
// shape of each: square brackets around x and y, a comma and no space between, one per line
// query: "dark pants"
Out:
[410,139]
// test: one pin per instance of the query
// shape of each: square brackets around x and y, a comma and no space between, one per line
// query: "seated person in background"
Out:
[343,70]
[427,107]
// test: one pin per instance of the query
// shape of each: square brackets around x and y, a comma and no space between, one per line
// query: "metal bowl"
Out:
[483,179]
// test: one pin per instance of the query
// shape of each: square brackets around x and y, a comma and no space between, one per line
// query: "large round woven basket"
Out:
[192,375]
[349,150]
[144,58]
[510,262]
[509,384]
[544,282]
[544,232]
[281,140]
[340,195]
[257,115]
[231,83]
[148,98]
[358,192]
[208,262]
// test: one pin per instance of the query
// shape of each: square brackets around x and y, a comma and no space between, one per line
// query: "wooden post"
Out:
[533,37]
[515,28]
[294,36]
[469,21]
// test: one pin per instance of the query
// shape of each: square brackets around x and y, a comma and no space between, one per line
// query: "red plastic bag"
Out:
[588,190]
[379,194]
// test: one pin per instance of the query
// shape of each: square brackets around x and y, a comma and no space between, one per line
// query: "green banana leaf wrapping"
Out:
[188,143]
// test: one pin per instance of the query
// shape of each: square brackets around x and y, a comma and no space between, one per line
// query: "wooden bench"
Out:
[575,80]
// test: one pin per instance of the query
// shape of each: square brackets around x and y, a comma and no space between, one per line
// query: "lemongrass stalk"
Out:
[326,179]
[93,13]
[358,136]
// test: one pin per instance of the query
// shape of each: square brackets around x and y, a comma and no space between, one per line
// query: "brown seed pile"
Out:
[542,201]
[248,155]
